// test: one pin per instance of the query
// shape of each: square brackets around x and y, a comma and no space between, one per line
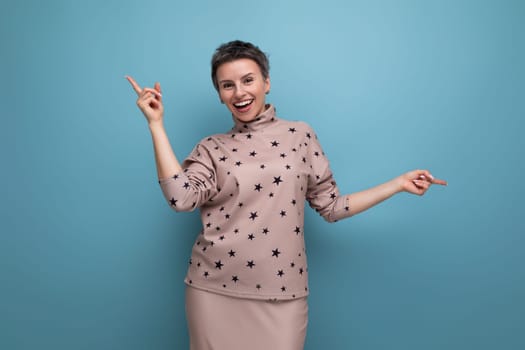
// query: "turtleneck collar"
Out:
[262,121]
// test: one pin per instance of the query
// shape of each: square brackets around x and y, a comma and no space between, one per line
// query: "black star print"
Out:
[249,136]
[219,265]
[253,215]
[231,253]
[186,185]
[308,135]
[222,209]
[288,167]
[240,204]
[258,188]
[253,154]
[275,144]
[292,264]
[235,279]
[347,208]
[297,229]
[276,252]
[250,264]
[227,216]
[263,166]
[332,195]
[277,180]
[208,224]
[176,176]
[301,271]
[236,231]
[292,130]
[238,163]
[204,249]
[223,158]
[283,155]
[221,238]
[280,273]
[258,286]
[293,202]
[206,274]
[304,160]
[283,213]
[234,149]
[283,288]
[173,202]
[316,154]
[265,230]
[270,194]
[251,236]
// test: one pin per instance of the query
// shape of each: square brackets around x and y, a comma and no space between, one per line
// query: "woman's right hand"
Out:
[149,101]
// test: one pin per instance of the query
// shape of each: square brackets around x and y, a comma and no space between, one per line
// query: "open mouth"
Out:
[243,105]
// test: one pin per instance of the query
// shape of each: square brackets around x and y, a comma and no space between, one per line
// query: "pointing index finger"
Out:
[439,182]
[134,84]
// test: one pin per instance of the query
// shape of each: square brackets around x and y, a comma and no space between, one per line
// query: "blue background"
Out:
[91,257]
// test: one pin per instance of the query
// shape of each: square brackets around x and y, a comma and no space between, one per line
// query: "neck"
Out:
[264,119]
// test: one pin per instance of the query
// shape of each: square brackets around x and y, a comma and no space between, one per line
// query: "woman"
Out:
[247,280]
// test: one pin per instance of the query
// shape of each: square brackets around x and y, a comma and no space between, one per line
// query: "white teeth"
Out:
[243,103]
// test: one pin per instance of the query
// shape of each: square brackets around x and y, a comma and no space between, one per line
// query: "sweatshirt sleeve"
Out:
[322,193]
[195,185]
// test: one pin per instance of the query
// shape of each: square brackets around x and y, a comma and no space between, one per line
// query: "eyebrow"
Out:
[228,80]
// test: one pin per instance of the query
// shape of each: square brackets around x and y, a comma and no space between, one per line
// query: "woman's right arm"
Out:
[149,101]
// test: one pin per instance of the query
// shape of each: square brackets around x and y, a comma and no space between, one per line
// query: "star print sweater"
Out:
[251,184]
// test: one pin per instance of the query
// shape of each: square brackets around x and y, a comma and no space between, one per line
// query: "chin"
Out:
[245,118]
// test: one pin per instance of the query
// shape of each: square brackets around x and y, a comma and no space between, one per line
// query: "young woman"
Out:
[247,283]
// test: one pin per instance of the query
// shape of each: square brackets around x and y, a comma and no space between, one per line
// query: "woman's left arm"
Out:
[415,182]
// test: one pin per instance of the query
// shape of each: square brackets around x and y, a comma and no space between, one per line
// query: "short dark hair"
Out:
[235,50]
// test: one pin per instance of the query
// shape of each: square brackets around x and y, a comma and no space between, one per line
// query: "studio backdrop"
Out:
[91,255]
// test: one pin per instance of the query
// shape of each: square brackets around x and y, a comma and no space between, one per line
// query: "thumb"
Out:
[157,87]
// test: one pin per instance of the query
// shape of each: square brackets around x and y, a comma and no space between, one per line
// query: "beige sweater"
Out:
[250,185]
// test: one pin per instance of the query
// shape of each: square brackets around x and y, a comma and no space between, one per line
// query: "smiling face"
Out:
[242,88]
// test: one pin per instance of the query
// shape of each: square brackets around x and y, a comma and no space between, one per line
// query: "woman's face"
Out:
[242,88]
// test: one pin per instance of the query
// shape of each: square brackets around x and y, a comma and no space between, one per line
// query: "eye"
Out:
[227,86]
[248,80]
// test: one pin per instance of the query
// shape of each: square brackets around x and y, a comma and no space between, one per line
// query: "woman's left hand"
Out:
[418,182]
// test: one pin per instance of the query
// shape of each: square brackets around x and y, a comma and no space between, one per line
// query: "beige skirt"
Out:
[220,322]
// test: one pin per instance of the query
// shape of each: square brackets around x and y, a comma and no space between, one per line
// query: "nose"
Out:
[239,91]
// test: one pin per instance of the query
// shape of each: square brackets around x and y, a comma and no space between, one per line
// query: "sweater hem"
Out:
[242,295]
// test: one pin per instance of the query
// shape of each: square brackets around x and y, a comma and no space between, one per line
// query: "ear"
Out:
[268,86]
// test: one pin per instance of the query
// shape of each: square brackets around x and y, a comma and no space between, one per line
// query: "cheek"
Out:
[223,96]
